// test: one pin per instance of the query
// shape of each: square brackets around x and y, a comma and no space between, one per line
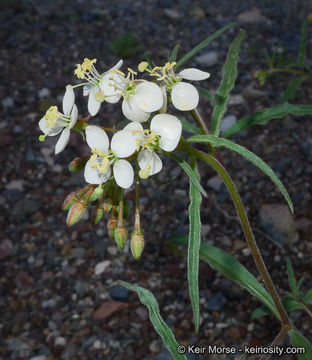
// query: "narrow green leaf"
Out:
[202,45]
[291,277]
[189,171]
[174,54]
[220,142]
[229,267]
[308,297]
[264,116]
[299,341]
[194,246]
[229,74]
[203,92]
[149,300]
[300,282]
[291,305]
[259,312]
[291,89]
[189,127]
[303,42]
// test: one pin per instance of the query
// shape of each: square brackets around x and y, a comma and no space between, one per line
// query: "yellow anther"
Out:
[116,71]
[83,68]
[145,173]
[142,66]
[102,166]
[51,116]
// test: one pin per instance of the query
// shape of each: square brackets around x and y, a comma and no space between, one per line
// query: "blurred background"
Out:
[55,295]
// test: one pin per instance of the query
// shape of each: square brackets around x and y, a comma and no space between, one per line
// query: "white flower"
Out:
[55,122]
[184,96]
[165,132]
[140,97]
[98,167]
[99,87]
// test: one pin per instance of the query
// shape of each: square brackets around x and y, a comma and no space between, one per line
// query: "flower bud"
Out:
[107,205]
[97,214]
[78,163]
[120,236]
[70,201]
[137,243]
[96,193]
[75,213]
[111,226]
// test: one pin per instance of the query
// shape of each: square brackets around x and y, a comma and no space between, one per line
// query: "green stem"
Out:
[305,308]
[291,71]
[214,163]
[120,209]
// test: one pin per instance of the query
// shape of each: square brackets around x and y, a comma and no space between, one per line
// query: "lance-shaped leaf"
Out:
[299,341]
[203,92]
[303,42]
[219,142]
[229,267]
[189,127]
[202,45]
[149,300]
[229,74]
[189,171]
[174,54]
[291,89]
[264,116]
[194,246]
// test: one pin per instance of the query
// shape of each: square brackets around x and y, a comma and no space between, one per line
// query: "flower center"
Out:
[100,161]
[149,140]
[87,71]
[162,73]
[128,88]
[54,118]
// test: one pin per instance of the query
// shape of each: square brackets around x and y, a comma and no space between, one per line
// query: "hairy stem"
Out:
[214,163]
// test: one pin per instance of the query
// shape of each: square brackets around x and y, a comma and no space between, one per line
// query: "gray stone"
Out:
[119,293]
[173,14]
[215,183]
[7,102]
[227,122]
[24,207]
[277,221]
[208,59]
[44,93]
[216,302]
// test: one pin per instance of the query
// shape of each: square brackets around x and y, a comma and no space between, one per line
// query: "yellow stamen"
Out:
[142,66]
[83,68]
[104,165]
[145,173]
[51,116]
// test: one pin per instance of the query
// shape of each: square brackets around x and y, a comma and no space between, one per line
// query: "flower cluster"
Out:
[151,130]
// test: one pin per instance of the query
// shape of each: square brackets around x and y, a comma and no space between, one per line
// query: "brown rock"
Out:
[107,309]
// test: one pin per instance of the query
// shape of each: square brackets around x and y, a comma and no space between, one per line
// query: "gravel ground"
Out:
[53,302]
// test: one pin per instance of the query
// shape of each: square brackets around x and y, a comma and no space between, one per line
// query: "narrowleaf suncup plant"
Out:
[156,100]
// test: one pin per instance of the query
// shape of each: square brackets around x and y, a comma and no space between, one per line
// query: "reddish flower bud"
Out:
[69,201]
[78,163]
[97,214]
[75,213]
[121,235]
[111,226]
[137,244]
[107,205]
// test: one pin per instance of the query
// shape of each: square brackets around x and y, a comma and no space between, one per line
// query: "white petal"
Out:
[184,96]
[146,158]
[164,106]
[93,105]
[123,173]
[62,141]
[92,176]
[123,144]
[134,126]
[86,89]
[117,66]
[112,86]
[45,129]
[74,116]
[132,112]
[148,96]
[169,128]
[68,99]
[194,74]
[97,138]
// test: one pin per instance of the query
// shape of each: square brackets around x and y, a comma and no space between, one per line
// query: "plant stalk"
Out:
[279,338]
[214,163]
